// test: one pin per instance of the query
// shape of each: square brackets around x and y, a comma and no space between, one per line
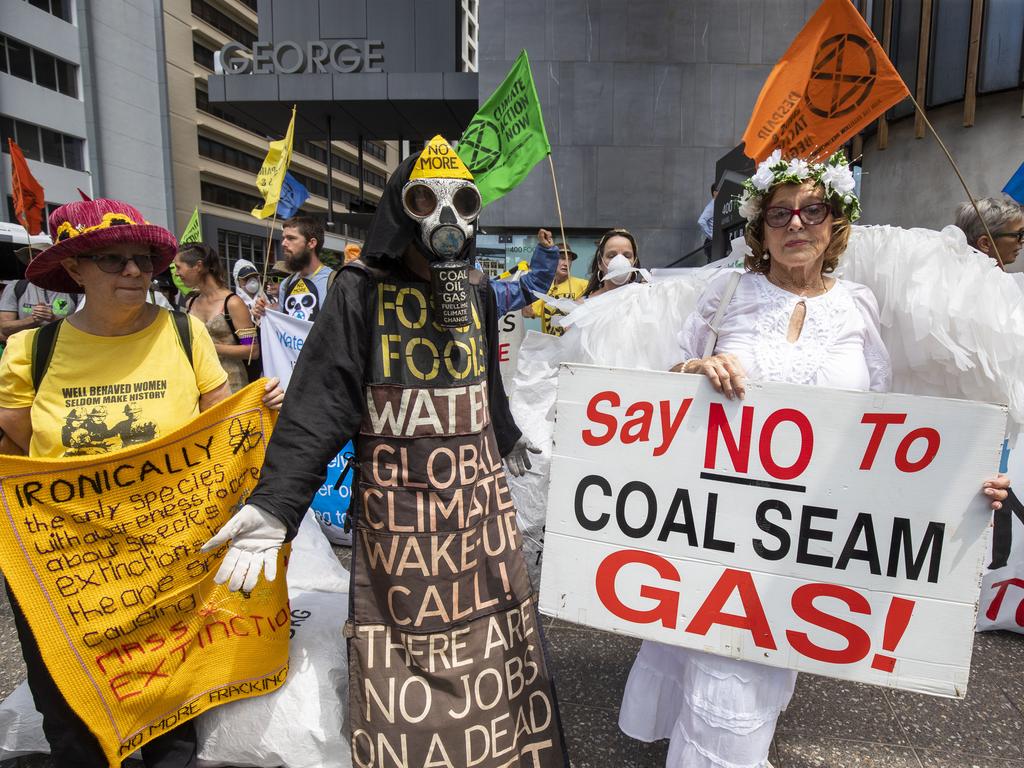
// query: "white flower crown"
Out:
[833,174]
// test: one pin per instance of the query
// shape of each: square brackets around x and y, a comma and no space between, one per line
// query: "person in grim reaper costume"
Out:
[446,659]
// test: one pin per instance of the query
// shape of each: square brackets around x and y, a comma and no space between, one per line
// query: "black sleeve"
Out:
[505,430]
[323,408]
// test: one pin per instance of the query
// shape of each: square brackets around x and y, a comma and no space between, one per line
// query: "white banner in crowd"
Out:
[1002,589]
[835,532]
[281,340]
[511,331]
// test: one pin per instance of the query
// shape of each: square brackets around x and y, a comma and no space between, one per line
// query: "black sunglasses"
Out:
[1019,234]
[114,264]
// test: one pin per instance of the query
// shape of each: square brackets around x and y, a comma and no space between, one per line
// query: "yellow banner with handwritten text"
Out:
[103,556]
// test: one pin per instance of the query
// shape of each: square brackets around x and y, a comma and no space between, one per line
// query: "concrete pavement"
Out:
[829,724]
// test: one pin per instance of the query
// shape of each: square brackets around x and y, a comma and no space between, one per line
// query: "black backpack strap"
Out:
[43,343]
[184,330]
[330,278]
[227,315]
[287,285]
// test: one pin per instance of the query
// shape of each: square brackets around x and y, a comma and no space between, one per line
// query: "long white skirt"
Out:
[717,712]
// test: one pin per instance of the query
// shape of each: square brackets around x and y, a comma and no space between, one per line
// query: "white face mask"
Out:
[252,287]
[619,269]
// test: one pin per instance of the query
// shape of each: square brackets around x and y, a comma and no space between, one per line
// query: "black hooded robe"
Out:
[446,657]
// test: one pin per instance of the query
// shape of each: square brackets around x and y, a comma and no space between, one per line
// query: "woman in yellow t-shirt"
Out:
[564,286]
[120,373]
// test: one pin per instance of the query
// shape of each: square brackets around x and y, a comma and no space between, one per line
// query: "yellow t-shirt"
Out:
[572,288]
[104,393]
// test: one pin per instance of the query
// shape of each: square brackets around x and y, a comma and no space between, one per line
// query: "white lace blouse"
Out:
[839,345]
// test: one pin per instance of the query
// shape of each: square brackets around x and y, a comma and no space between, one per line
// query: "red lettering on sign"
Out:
[858,642]
[668,600]
[764,446]
[604,419]
[924,433]
[504,352]
[711,611]
[881,422]
[670,425]
[997,602]
[718,423]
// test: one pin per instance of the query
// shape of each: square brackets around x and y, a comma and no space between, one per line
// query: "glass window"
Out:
[67,78]
[73,153]
[947,66]
[53,147]
[3,54]
[906,30]
[19,59]
[223,22]
[6,132]
[202,55]
[1002,38]
[28,139]
[46,69]
[61,9]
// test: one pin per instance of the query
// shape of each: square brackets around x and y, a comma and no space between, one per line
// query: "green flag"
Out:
[193,232]
[506,137]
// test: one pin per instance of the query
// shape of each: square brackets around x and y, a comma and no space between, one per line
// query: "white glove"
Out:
[518,459]
[255,537]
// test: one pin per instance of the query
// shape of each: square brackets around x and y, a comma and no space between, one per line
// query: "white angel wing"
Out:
[953,322]
[631,327]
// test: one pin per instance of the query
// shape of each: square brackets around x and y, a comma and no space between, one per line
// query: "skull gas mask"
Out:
[442,199]
[446,210]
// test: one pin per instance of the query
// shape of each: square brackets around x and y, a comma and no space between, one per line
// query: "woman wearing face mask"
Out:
[616,262]
[226,316]
[247,282]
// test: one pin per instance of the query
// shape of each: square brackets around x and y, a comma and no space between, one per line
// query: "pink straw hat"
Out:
[89,226]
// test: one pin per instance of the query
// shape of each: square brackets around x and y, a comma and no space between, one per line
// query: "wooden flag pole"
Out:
[270,247]
[266,265]
[956,170]
[558,204]
[263,280]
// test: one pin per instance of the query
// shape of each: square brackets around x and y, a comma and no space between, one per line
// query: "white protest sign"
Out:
[829,531]
[511,331]
[281,340]
[1002,588]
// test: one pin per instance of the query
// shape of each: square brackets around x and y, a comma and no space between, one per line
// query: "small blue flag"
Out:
[1015,186]
[293,194]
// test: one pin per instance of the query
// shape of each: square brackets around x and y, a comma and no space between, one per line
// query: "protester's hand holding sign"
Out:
[259,307]
[723,370]
[274,397]
[997,488]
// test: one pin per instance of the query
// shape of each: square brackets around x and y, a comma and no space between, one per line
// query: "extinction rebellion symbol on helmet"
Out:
[480,145]
[842,76]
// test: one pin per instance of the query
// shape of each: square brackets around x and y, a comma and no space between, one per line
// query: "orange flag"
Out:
[29,203]
[834,79]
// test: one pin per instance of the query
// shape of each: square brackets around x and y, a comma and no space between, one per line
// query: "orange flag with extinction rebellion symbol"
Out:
[831,82]
[29,203]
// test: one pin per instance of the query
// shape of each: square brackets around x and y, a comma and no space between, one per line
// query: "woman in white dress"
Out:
[787,321]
